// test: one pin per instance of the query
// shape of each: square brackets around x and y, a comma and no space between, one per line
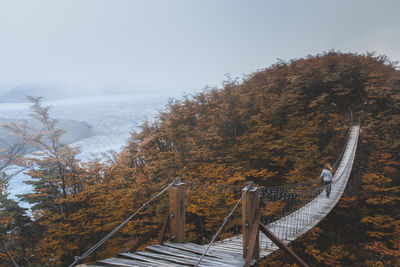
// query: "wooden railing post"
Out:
[250,211]
[177,211]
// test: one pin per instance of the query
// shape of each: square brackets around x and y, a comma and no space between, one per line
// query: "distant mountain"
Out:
[18,94]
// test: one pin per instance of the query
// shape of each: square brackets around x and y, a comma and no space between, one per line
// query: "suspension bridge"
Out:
[300,207]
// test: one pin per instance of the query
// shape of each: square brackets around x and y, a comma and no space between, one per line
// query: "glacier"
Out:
[111,119]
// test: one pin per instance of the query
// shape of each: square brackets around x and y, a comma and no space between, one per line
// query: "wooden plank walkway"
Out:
[228,252]
[175,254]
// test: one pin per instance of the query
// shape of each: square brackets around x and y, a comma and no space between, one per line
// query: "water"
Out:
[111,119]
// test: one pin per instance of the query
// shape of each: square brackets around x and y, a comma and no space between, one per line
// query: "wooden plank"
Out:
[116,262]
[159,262]
[195,248]
[179,260]
[236,247]
[229,250]
[185,254]
[233,247]
[198,249]
[186,245]
[231,242]
[175,259]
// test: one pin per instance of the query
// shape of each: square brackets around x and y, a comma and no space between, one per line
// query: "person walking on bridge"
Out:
[327,178]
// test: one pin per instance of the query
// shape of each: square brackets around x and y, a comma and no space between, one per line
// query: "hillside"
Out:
[277,126]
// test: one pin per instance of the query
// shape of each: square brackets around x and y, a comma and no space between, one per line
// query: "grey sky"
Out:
[175,46]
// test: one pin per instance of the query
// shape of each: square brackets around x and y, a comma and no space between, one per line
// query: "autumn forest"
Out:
[276,126]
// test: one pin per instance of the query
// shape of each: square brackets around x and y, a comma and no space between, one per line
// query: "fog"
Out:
[75,47]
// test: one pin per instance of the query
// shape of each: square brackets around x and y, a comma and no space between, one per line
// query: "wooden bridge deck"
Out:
[228,252]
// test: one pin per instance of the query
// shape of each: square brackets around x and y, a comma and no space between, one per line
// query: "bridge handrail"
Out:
[345,168]
[347,140]
[116,229]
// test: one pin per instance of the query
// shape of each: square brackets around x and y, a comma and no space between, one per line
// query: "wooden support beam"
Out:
[282,246]
[250,206]
[164,228]
[253,239]
[177,212]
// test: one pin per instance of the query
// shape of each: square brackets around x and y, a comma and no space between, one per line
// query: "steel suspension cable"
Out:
[246,189]
[116,229]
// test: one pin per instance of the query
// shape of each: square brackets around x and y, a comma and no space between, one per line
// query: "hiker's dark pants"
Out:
[328,188]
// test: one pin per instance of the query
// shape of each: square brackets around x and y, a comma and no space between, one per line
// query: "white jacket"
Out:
[327,175]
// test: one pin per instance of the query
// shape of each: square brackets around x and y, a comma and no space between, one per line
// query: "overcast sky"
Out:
[175,46]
